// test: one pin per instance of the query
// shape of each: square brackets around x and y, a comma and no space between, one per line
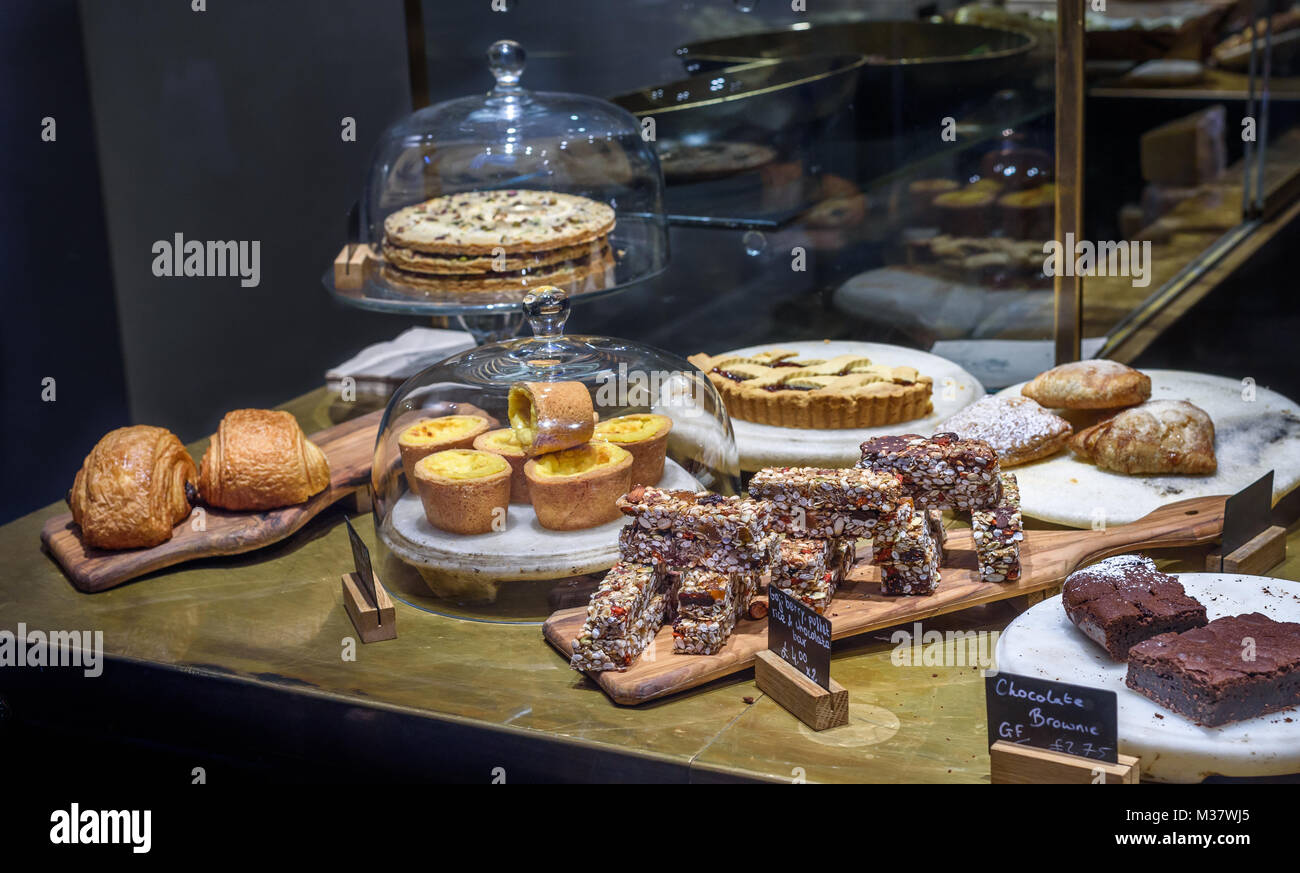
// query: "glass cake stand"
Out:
[510,139]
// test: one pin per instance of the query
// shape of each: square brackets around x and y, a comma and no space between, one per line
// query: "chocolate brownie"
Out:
[1123,600]
[1231,669]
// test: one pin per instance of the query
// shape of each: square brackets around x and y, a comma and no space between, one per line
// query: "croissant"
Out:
[132,489]
[259,459]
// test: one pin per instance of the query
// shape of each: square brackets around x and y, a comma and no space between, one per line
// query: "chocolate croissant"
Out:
[259,459]
[132,489]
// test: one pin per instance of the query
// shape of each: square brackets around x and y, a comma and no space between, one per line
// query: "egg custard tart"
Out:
[645,435]
[550,416]
[577,488]
[429,435]
[464,491]
[502,442]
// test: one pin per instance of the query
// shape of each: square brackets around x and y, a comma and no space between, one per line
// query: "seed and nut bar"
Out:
[914,579]
[722,519]
[910,544]
[704,595]
[664,548]
[997,534]
[1010,491]
[692,636]
[802,563]
[595,655]
[817,488]
[938,533]
[939,472]
[621,599]
[833,523]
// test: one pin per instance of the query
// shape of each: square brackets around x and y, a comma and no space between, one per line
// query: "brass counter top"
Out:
[274,619]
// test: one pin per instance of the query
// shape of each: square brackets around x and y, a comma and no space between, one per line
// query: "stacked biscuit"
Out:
[499,241]
[821,514]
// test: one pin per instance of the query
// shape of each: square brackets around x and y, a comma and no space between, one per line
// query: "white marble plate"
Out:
[1042,642]
[1251,438]
[764,445]
[524,550]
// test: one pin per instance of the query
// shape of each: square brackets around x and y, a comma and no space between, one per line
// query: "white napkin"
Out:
[380,368]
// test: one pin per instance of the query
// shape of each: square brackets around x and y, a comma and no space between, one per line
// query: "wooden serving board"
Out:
[1046,558]
[349,446]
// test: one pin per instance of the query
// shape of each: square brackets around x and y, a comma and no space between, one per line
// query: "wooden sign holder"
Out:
[374,622]
[350,272]
[1261,554]
[807,701]
[1013,764]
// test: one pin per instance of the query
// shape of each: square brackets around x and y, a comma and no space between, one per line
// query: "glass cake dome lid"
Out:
[470,523]
[474,201]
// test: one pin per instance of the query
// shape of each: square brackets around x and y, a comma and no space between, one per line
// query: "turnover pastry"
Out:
[1160,436]
[1017,428]
[1096,384]
[579,487]
[464,491]
[259,459]
[550,416]
[133,488]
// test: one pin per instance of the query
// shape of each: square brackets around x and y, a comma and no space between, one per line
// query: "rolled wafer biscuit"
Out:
[550,416]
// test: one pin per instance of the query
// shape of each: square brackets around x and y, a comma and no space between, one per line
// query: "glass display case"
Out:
[555,520]
[803,153]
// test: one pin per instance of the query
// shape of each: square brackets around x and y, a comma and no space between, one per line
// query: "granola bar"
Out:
[620,600]
[664,548]
[817,488]
[705,595]
[832,524]
[909,563]
[595,655]
[696,636]
[911,544]
[726,520]
[910,579]
[938,533]
[997,534]
[939,472]
[1010,491]
[811,570]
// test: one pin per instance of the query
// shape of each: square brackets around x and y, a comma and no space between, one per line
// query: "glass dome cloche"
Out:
[496,471]
[471,203]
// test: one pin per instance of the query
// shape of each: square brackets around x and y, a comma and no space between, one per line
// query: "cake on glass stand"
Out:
[472,203]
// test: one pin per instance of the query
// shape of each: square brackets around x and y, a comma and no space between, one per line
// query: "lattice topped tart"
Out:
[779,388]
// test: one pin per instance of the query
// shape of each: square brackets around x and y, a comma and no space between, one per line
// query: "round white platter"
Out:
[1042,642]
[1251,438]
[764,445]
[524,550]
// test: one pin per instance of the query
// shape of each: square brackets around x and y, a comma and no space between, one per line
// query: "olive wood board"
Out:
[1046,558]
[349,447]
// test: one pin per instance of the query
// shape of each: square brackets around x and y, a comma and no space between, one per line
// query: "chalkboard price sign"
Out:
[1052,715]
[799,636]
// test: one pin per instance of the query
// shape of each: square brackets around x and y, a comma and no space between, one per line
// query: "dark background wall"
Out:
[225,125]
[57,317]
